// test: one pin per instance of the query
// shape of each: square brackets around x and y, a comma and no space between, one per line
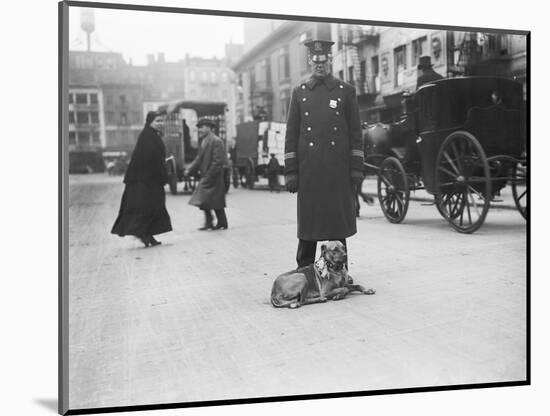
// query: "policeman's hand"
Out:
[291,181]
[357,177]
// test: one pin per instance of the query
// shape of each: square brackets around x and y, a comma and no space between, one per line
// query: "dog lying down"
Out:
[327,278]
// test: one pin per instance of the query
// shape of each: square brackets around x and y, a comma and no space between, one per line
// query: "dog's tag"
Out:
[333,103]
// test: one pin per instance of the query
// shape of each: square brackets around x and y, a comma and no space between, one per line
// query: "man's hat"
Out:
[319,50]
[424,62]
[206,122]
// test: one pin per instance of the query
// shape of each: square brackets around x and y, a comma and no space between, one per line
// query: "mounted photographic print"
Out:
[268,208]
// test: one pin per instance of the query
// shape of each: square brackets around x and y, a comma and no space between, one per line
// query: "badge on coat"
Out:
[333,103]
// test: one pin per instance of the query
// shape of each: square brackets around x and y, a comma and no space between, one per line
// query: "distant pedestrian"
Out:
[323,155]
[210,192]
[142,209]
[426,72]
[273,170]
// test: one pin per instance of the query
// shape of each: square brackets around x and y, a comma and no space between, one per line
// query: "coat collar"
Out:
[329,81]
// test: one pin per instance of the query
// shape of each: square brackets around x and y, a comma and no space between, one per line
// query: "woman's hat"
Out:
[424,62]
[206,122]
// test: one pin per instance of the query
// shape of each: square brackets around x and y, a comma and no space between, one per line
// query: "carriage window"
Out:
[82,98]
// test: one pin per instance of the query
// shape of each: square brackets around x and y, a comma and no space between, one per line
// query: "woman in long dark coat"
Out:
[142,209]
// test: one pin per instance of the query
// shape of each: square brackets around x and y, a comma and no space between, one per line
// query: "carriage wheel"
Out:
[519,188]
[393,190]
[463,182]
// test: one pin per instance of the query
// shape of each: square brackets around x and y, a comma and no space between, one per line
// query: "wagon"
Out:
[181,137]
[460,139]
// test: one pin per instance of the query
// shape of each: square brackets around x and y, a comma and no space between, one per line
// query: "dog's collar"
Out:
[321,268]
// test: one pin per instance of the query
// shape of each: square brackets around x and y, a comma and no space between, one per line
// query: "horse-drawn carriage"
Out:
[181,137]
[460,139]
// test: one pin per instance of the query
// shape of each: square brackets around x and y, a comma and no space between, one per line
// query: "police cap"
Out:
[319,50]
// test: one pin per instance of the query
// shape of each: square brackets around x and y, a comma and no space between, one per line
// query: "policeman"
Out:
[323,155]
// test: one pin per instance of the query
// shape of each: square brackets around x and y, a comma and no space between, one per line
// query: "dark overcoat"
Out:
[322,145]
[427,76]
[212,157]
[143,205]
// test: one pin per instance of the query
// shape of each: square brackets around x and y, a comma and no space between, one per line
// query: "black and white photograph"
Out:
[270,208]
[286,210]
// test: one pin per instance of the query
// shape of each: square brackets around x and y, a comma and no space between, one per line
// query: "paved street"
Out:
[191,320]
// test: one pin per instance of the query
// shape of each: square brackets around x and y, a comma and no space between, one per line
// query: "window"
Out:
[362,71]
[303,52]
[224,76]
[285,101]
[400,63]
[72,137]
[84,137]
[122,99]
[419,48]
[136,117]
[375,83]
[109,99]
[94,116]
[284,64]
[71,98]
[95,137]
[204,76]
[192,76]
[123,118]
[82,98]
[351,78]
[213,77]
[341,74]
[93,98]
[110,117]
[82,117]
[71,117]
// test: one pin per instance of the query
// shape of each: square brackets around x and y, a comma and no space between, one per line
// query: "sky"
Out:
[136,34]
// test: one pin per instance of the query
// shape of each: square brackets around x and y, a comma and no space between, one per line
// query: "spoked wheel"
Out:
[393,190]
[519,188]
[463,182]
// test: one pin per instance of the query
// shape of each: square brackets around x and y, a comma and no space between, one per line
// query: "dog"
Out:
[325,279]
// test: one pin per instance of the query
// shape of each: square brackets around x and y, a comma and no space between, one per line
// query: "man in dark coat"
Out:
[210,192]
[273,168]
[426,73]
[323,155]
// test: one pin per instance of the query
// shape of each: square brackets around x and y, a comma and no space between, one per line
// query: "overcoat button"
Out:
[341,86]
[304,99]
[306,113]
[303,87]
[311,143]
[309,129]
[337,113]
[339,99]
[335,128]
[332,143]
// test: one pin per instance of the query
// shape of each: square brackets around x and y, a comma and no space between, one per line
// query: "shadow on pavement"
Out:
[50,404]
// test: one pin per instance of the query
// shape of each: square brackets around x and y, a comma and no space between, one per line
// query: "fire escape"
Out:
[473,53]
[353,37]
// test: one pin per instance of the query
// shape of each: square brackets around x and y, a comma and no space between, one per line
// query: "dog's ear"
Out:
[323,249]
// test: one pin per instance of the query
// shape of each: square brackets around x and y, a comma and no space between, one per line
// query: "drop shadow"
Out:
[49,404]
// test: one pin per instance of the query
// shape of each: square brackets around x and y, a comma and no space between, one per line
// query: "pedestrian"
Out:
[426,72]
[323,155]
[143,207]
[273,169]
[210,192]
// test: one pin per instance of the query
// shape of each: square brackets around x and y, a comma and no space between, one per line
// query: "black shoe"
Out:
[154,242]
[220,227]
[145,240]
[206,227]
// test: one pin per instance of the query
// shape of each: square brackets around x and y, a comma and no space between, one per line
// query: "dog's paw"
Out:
[369,292]
[322,299]
[294,305]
